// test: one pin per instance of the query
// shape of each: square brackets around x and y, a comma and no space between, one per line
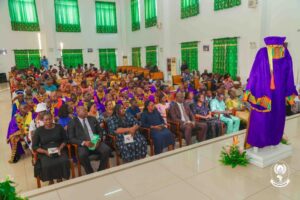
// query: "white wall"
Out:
[87,38]
[250,25]
[284,19]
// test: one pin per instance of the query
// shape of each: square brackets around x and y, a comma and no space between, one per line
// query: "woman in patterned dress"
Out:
[131,144]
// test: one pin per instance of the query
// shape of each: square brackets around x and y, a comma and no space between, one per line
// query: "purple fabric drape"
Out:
[267,119]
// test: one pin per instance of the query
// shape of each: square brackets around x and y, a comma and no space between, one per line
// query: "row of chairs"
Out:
[146,72]
[177,80]
[111,140]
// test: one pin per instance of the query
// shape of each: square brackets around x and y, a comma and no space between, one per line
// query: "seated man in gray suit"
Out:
[80,131]
[180,112]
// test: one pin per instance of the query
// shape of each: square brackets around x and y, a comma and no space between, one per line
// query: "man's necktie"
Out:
[85,128]
[186,118]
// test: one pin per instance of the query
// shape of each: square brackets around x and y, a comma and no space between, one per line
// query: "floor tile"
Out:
[268,193]
[178,191]
[223,183]
[188,163]
[104,187]
[47,196]
[146,178]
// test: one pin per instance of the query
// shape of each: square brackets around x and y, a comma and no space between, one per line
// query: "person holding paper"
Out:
[82,130]
[49,142]
[130,142]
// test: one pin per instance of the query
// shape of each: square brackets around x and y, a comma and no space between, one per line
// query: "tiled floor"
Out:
[193,174]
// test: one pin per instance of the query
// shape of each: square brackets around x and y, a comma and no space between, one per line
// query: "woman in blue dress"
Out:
[65,116]
[162,137]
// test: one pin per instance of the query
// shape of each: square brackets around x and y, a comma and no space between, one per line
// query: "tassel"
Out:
[272,82]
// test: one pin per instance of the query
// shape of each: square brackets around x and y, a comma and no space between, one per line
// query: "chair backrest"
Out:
[197,83]
[157,76]
[177,79]
[105,126]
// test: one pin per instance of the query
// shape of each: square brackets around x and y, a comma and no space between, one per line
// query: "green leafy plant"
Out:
[285,140]
[233,155]
[8,190]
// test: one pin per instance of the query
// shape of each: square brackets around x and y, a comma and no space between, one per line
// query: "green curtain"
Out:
[189,54]
[23,15]
[67,16]
[108,60]
[150,13]
[151,55]
[136,57]
[135,15]
[72,57]
[231,57]
[225,56]
[223,4]
[219,56]
[106,17]
[189,8]
[25,58]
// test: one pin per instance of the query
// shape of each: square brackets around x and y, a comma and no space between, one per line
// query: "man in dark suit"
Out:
[80,131]
[180,112]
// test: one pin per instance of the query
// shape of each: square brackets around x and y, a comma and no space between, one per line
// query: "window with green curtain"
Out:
[150,13]
[106,17]
[108,60]
[67,16]
[224,4]
[72,57]
[225,56]
[189,55]
[189,8]
[136,57]
[25,58]
[23,15]
[151,55]
[135,15]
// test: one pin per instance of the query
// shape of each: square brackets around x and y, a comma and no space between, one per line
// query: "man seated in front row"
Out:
[80,132]
[217,105]
[180,112]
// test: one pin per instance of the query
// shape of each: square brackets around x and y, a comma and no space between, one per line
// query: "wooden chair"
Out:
[223,126]
[209,85]
[157,76]
[112,143]
[197,83]
[35,160]
[175,128]
[113,146]
[177,79]
[146,132]
[91,158]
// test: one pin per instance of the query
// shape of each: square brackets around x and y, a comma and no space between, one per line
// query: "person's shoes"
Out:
[111,155]
[16,158]
[59,180]
[25,146]
[51,182]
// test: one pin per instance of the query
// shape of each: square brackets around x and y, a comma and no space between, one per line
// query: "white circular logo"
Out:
[280,174]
